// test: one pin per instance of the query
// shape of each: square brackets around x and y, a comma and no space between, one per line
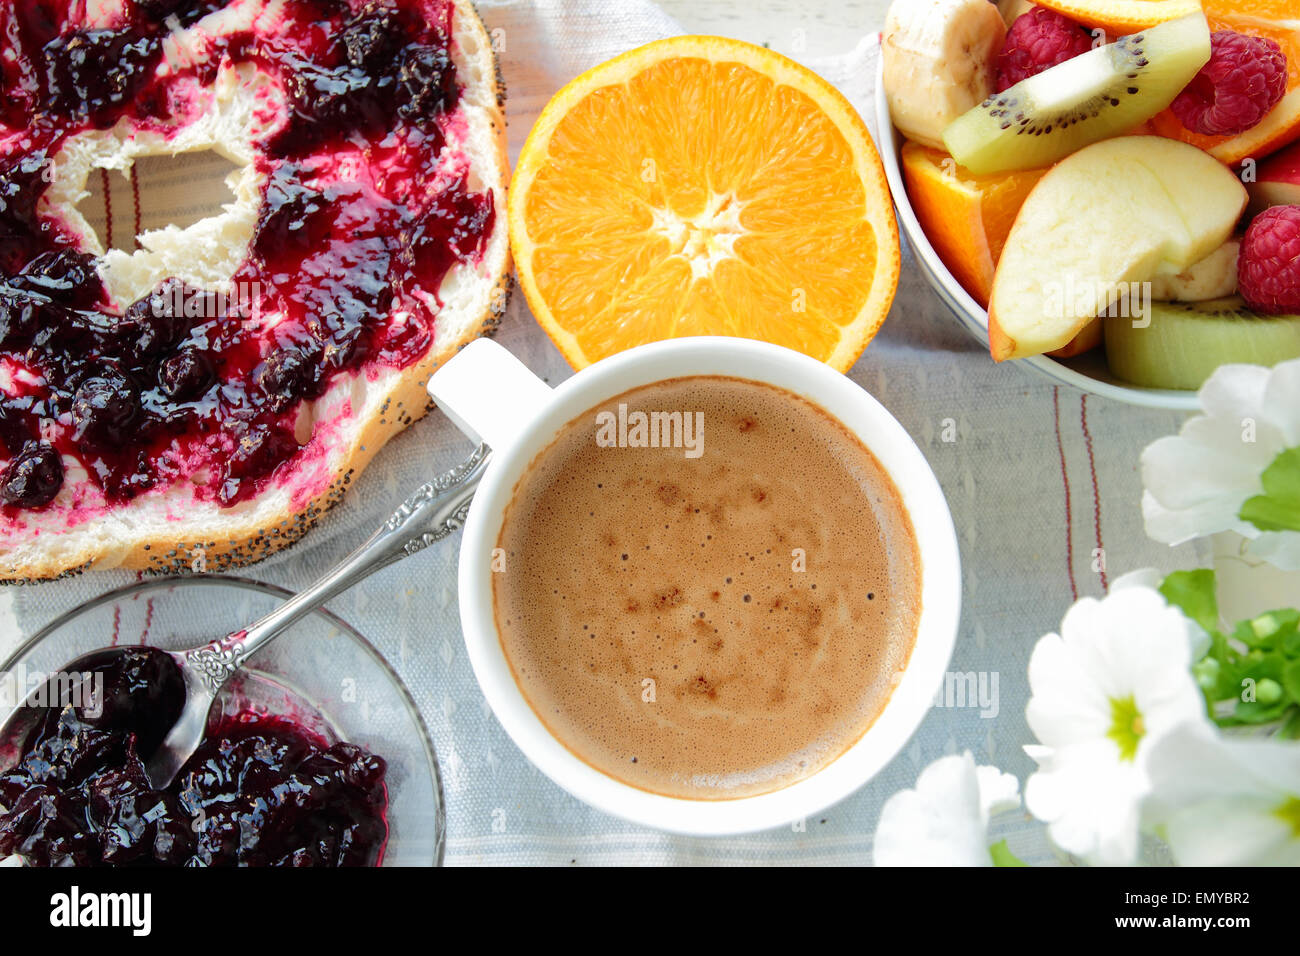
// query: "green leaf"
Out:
[1262,665]
[1278,508]
[1290,728]
[1002,855]
[1244,633]
[1253,713]
[1228,661]
[1261,653]
[1269,630]
[1286,620]
[1193,592]
[1291,679]
[1265,627]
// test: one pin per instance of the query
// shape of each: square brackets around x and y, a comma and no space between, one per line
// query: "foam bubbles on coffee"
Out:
[716,626]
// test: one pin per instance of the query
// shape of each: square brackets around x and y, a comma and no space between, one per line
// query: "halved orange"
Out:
[966,217]
[1118,17]
[1282,124]
[703,186]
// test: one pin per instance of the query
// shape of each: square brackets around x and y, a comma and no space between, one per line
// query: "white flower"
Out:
[1195,483]
[1114,680]
[1150,579]
[945,820]
[1225,801]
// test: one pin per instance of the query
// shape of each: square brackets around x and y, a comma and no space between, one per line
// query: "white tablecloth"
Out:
[1039,479]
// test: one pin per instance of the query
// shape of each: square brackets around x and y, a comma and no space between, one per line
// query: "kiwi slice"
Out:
[1186,341]
[1104,92]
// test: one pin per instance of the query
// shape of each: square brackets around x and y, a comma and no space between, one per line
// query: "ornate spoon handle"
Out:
[437,509]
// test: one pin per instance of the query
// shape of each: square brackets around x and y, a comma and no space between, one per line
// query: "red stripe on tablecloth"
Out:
[1065,482]
[108,209]
[1096,496]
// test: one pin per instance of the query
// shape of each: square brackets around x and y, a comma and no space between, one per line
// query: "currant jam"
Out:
[259,791]
[362,218]
[33,477]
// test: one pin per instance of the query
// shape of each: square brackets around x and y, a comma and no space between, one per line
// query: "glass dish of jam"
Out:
[317,756]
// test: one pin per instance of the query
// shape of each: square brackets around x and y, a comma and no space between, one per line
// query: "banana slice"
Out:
[1012,10]
[1214,277]
[938,62]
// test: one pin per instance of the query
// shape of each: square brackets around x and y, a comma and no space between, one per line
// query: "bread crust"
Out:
[247,540]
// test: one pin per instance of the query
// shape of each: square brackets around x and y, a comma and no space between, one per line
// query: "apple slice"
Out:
[1184,342]
[1099,224]
[1277,181]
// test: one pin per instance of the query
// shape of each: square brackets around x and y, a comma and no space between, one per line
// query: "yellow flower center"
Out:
[1290,814]
[1126,727]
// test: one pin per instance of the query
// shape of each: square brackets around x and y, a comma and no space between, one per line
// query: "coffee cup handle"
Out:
[488,393]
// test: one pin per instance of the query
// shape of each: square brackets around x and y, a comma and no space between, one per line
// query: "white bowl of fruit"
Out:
[1107,190]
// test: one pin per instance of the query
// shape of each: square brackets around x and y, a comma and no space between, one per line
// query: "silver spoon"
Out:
[435,511]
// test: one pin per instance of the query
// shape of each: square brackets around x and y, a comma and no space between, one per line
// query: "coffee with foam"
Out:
[709,625]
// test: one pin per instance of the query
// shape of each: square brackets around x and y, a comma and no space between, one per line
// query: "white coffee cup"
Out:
[492,397]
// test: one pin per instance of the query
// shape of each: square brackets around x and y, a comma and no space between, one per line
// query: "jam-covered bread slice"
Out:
[206,396]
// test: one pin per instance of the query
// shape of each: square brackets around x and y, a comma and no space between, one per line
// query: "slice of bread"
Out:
[171,528]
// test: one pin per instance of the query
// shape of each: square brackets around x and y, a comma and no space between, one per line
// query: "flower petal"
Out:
[1090,802]
[1236,391]
[999,792]
[1206,461]
[1141,578]
[1196,761]
[940,823]
[1223,832]
[1061,707]
[1280,403]
[1215,798]
[1279,548]
[1196,482]
[1130,645]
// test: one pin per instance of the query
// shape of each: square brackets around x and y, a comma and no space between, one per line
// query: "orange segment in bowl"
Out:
[1088,338]
[703,186]
[1275,10]
[965,217]
[1124,16]
[1282,124]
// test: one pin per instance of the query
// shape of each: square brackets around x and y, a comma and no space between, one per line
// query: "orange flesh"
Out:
[1281,125]
[702,197]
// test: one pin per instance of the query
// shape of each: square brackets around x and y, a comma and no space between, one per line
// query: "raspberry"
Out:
[1038,40]
[1245,78]
[1268,270]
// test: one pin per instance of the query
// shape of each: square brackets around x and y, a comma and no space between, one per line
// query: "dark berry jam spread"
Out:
[259,791]
[366,206]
